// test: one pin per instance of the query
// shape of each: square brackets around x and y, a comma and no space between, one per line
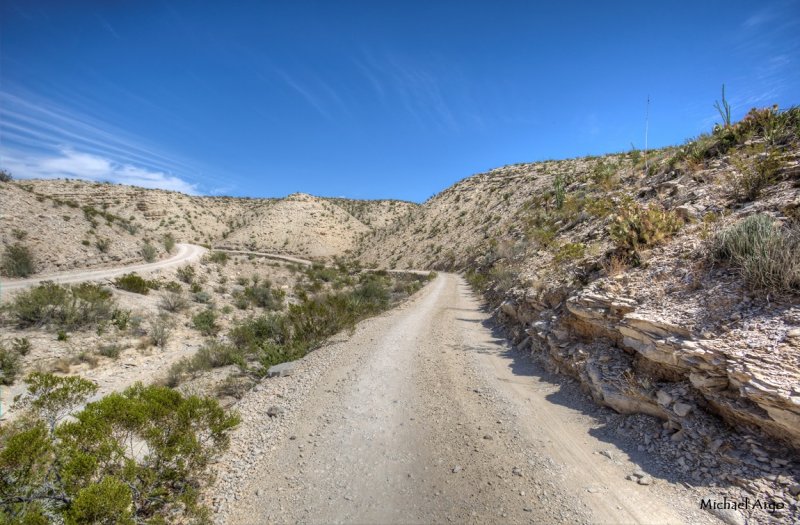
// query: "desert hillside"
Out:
[666,283]
[69,224]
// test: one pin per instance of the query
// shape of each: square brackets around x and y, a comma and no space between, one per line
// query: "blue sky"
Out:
[369,99]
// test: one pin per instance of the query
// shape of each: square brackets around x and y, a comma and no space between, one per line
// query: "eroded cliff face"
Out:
[635,360]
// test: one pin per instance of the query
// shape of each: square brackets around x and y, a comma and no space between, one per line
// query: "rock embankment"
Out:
[635,360]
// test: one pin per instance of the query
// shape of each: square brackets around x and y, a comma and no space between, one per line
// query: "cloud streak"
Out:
[41,140]
[72,164]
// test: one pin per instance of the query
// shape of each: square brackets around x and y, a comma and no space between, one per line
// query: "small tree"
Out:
[5,176]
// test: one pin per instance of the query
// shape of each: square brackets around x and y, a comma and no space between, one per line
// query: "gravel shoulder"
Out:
[424,415]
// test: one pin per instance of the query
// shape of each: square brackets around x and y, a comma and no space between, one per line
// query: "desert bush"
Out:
[120,319]
[148,252]
[754,172]
[18,234]
[235,386]
[5,176]
[85,470]
[220,258]
[249,334]
[132,282]
[21,345]
[173,301]
[478,280]
[202,297]
[604,175]
[110,350]
[103,245]
[160,330]
[18,261]
[67,307]
[569,251]
[766,253]
[186,274]
[205,322]
[636,226]
[211,355]
[264,296]
[240,300]
[10,365]
[169,242]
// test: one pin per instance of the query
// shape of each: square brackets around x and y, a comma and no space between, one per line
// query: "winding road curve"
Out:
[186,253]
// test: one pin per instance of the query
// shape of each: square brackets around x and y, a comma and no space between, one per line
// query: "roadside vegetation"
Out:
[132,457]
[329,300]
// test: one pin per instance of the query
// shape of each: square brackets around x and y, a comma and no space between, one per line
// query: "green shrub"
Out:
[103,245]
[767,254]
[202,297]
[186,274]
[149,252]
[754,172]
[132,282]
[205,322]
[18,261]
[240,300]
[211,355]
[251,333]
[110,350]
[173,301]
[218,257]
[636,226]
[120,319]
[264,296]
[67,307]
[10,365]
[169,242]
[62,335]
[569,251]
[478,280]
[84,470]
[160,330]
[21,345]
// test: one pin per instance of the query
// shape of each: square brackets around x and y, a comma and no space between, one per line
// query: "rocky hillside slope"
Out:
[667,284]
[73,224]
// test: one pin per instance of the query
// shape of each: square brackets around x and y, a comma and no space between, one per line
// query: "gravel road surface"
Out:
[422,416]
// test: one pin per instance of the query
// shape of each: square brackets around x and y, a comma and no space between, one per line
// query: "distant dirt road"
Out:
[186,253]
[424,416]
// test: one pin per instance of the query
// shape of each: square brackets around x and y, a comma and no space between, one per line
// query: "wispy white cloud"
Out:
[39,139]
[68,163]
[418,89]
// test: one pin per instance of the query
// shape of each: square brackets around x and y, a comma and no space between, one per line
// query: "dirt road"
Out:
[422,416]
[185,253]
